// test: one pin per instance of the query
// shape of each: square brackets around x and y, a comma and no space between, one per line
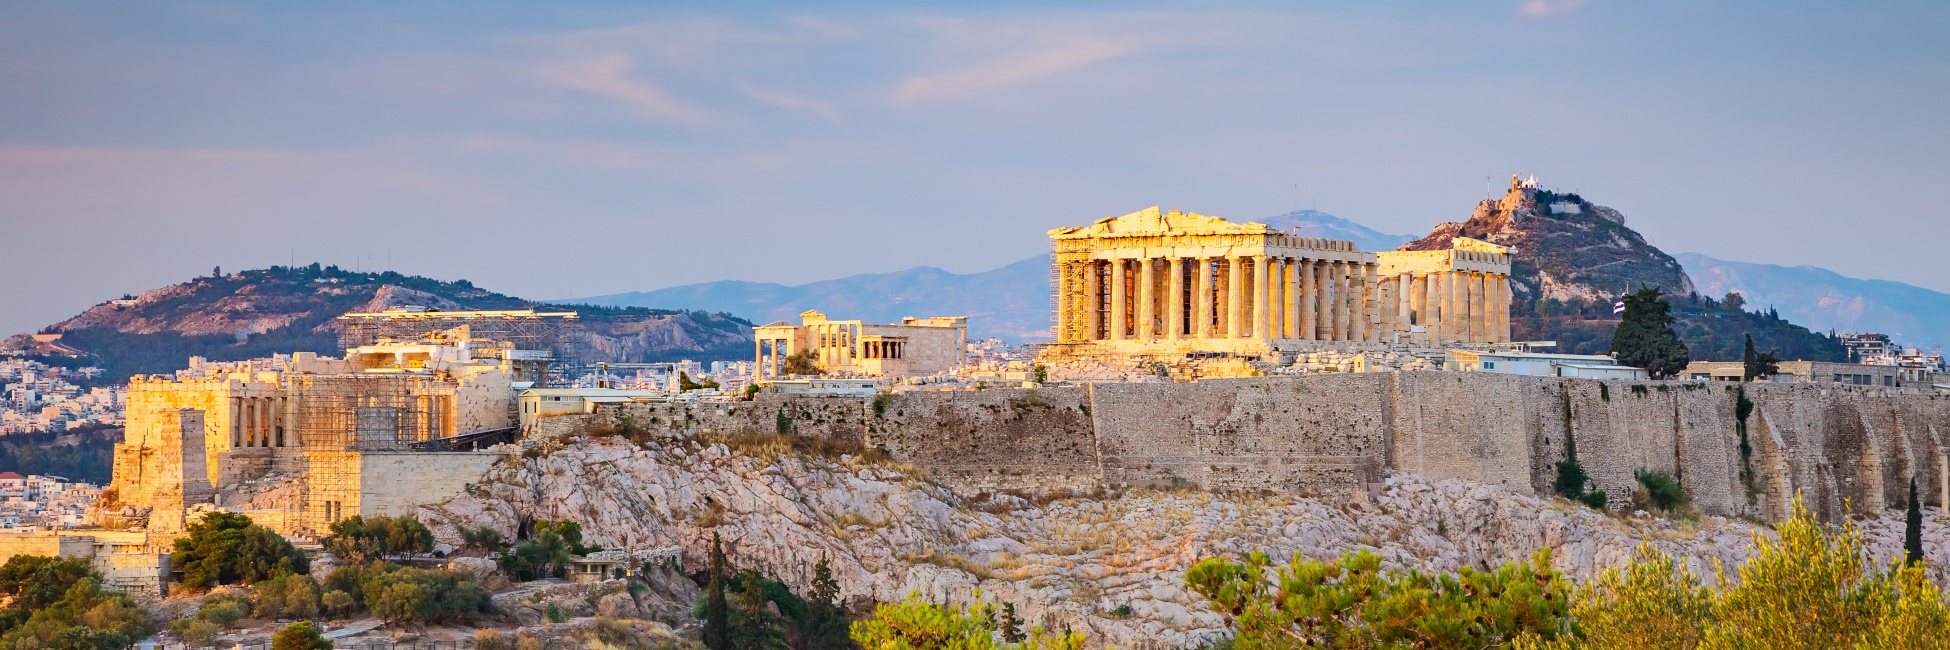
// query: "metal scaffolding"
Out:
[371,412]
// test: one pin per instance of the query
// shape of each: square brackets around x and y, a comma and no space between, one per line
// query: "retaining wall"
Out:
[1336,434]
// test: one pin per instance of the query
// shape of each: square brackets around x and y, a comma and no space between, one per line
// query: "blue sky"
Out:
[555,149]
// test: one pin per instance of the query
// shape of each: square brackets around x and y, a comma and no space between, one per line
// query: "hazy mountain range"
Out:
[1012,302]
[1825,300]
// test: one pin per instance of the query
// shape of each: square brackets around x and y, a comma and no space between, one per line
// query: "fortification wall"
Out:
[1330,435]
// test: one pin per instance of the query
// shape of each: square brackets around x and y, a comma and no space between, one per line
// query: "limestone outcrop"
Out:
[1073,560]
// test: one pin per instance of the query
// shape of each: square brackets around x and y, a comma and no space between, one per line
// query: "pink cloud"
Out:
[1541,8]
[989,76]
[608,76]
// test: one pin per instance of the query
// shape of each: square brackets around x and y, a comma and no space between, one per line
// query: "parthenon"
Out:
[1154,283]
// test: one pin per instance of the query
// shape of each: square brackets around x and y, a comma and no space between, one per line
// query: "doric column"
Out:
[1147,310]
[1119,307]
[1309,299]
[1336,297]
[1456,307]
[1371,304]
[1438,299]
[1093,300]
[1062,324]
[1505,295]
[1174,298]
[1404,300]
[1235,297]
[1275,298]
[1202,297]
[1479,307]
[1289,297]
[1362,293]
[1259,295]
[1387,306]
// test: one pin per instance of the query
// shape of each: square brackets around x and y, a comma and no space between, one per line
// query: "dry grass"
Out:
[711,517]
[952,561]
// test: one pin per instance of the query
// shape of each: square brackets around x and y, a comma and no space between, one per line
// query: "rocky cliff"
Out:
[1567,247]
[281,310]
[1076,560]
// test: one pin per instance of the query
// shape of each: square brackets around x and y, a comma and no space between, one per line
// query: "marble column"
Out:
[1479,307]
[1174,298]
[1258,296]
[1505,295]
[1235,296]
[1309,299]
[1459,317]
[1147,311]
[1202,297]
[1119,305]
[1290,293]
[1093,305]
[1438,316]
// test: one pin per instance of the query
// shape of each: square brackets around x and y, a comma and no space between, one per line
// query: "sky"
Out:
[552,150]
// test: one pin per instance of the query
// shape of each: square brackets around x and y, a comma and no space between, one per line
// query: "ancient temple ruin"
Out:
[1168,284]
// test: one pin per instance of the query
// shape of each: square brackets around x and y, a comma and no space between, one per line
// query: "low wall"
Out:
[1335,434]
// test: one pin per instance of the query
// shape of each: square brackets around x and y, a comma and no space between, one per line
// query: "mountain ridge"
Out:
[278,310]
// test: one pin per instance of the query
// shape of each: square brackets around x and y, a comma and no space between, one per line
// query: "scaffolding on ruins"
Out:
[370,412]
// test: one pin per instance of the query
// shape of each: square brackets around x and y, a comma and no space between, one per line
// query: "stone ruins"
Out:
[914,347]
[1168,284]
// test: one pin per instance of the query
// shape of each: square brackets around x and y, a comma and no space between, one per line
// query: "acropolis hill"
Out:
[421,406]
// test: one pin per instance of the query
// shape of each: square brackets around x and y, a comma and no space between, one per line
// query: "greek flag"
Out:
[1618,308]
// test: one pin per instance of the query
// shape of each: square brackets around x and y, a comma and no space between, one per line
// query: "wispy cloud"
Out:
[1542,8]
[608,76]
[996,74]
[782,100]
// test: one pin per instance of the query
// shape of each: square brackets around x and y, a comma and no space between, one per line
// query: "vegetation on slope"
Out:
[279,310]
[84,454]
[1813,587]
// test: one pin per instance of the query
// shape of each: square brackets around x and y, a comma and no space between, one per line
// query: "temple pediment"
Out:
[1152,221]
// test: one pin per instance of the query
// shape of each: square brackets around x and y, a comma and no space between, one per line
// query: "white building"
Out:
[1586,366]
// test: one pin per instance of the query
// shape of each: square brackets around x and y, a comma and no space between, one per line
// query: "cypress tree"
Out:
[717,612]
[1913,527]
[1645,338]
[824,627]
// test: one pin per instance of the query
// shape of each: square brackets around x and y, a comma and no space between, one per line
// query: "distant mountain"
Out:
[1314,223]
[1825,300]
[294,309]
[1011,302]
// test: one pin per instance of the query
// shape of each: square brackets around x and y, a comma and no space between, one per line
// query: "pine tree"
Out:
[1011,624]
[753,626]
[717,612]
[1758,365]
[824,626]
[1913,528]
[1645,338]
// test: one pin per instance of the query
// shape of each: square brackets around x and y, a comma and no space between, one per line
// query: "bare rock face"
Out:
[1567,247]
[1072,561]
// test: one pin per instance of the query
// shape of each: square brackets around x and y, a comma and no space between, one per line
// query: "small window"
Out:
[1489,365]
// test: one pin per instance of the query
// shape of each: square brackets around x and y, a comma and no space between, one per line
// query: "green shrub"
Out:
[84,618]
[1354,603]
[226,548]
[301,635]
[420,595]
[289,597]
[1662,488]
[194,631]
[359,540]
[554,614]
[224,609]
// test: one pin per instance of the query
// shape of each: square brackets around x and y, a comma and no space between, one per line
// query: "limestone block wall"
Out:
[1037,439]
[1327,436]
[1331,434]
[342,484]
[1476,426]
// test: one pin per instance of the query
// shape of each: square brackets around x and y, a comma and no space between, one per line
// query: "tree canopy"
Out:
[1645,338]
[226,548]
